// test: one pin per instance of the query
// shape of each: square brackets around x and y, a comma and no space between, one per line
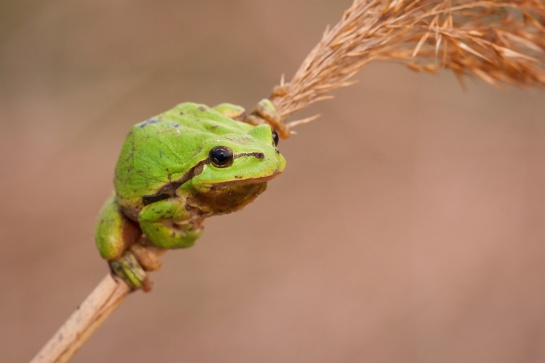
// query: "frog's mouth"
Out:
[242,181]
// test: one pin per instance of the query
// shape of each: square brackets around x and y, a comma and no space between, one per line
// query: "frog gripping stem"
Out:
[129,270]
[265,112]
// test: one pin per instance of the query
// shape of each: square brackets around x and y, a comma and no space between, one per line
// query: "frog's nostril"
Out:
[259,155]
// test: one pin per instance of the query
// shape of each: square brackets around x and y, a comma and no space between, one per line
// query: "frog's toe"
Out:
[129,270]
[233,111]
[266,112]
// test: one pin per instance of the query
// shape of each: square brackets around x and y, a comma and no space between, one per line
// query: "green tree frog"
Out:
[178,168]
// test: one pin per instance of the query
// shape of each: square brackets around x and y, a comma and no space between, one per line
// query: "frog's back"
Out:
[163,148]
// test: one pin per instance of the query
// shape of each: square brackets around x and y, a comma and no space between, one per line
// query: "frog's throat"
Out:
[169,190]
[216,202]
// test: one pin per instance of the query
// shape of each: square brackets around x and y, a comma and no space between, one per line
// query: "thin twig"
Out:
[84,321]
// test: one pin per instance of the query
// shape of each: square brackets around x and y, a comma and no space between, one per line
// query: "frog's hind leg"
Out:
[114,234]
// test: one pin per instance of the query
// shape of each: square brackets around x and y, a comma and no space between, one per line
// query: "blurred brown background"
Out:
[407,227]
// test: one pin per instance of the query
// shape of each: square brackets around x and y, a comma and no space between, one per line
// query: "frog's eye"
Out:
[275,138]
[221,156]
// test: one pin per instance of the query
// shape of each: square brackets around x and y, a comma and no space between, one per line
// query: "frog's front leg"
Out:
[167,224]
[266,112]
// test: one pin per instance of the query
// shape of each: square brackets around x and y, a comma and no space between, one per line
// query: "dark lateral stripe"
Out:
[148,199]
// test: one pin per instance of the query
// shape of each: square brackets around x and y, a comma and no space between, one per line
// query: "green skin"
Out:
[166,183]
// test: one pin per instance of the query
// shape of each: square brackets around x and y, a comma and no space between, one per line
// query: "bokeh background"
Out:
[408,225]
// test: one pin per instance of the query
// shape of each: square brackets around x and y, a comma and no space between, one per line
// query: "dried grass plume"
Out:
[498,41]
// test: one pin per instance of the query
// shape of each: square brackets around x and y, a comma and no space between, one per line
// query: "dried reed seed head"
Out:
[498,41]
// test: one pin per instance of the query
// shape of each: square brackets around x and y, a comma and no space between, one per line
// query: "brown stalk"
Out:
[75,331]
[501,42]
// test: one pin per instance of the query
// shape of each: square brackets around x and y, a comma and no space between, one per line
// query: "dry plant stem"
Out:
[84,321]
[498,41]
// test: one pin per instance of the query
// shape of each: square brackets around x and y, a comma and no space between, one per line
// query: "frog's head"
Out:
[237,168]
[239,159]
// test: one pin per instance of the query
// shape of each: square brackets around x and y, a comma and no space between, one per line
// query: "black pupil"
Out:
[275,138]
[221,156]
